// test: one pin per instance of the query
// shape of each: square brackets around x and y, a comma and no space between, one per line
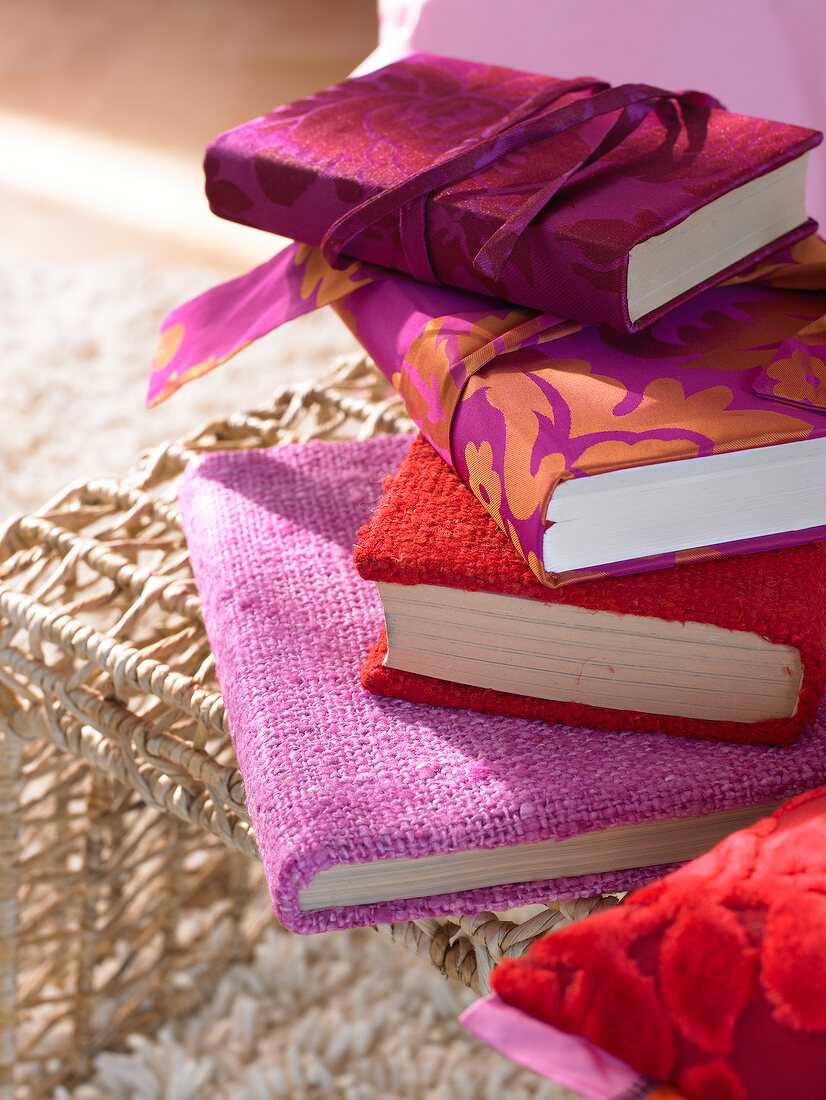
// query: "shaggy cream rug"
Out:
[345,1016]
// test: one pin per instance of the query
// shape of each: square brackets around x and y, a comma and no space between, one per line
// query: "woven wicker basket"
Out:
[127,859]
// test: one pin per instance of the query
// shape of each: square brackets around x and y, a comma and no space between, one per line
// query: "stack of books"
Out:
[372,809]
[608,530]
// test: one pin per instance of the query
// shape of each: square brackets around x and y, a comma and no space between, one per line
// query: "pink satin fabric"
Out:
[568,1060]
[434,343]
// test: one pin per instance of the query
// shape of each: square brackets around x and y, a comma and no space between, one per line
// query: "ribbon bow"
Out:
[534,121]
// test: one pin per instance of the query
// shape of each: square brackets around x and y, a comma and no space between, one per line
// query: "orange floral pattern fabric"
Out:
[595,401]
[518,401]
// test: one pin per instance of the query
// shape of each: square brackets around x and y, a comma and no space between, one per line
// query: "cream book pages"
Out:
[648,844]
[570,654]
[692,502]
[715,237]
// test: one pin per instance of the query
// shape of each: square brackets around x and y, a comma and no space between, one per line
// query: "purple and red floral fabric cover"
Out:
[519,186]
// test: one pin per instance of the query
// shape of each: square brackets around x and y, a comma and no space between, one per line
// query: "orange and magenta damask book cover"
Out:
[518,401]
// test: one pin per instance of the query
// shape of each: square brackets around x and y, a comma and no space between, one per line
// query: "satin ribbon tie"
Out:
[535,120]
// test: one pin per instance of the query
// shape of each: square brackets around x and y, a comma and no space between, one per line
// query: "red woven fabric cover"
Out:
[430,529]
[712,979]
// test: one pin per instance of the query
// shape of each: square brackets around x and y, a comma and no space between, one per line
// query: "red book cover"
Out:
[429,530]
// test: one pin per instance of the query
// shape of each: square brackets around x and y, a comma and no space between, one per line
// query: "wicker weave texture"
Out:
[114,917]
[111,911]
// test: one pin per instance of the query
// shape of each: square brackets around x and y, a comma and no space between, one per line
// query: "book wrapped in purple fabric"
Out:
[368,809]
[598,453]
[604,205]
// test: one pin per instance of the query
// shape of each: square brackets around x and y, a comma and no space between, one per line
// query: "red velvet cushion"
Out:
[712,979]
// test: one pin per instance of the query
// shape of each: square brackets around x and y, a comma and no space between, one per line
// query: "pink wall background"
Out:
[760,57]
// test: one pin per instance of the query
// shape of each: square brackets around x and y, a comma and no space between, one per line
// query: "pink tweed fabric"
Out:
[334,774]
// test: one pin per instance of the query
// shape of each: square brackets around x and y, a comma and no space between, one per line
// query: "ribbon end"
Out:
[491,258]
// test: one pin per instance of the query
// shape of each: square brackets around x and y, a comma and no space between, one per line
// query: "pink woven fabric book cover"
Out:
[336,775]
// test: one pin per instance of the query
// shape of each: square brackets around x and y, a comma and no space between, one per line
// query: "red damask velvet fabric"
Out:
[712,979]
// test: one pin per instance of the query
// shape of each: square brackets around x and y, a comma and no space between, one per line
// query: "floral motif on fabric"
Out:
[518,401]
[585,404]
[528,188]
